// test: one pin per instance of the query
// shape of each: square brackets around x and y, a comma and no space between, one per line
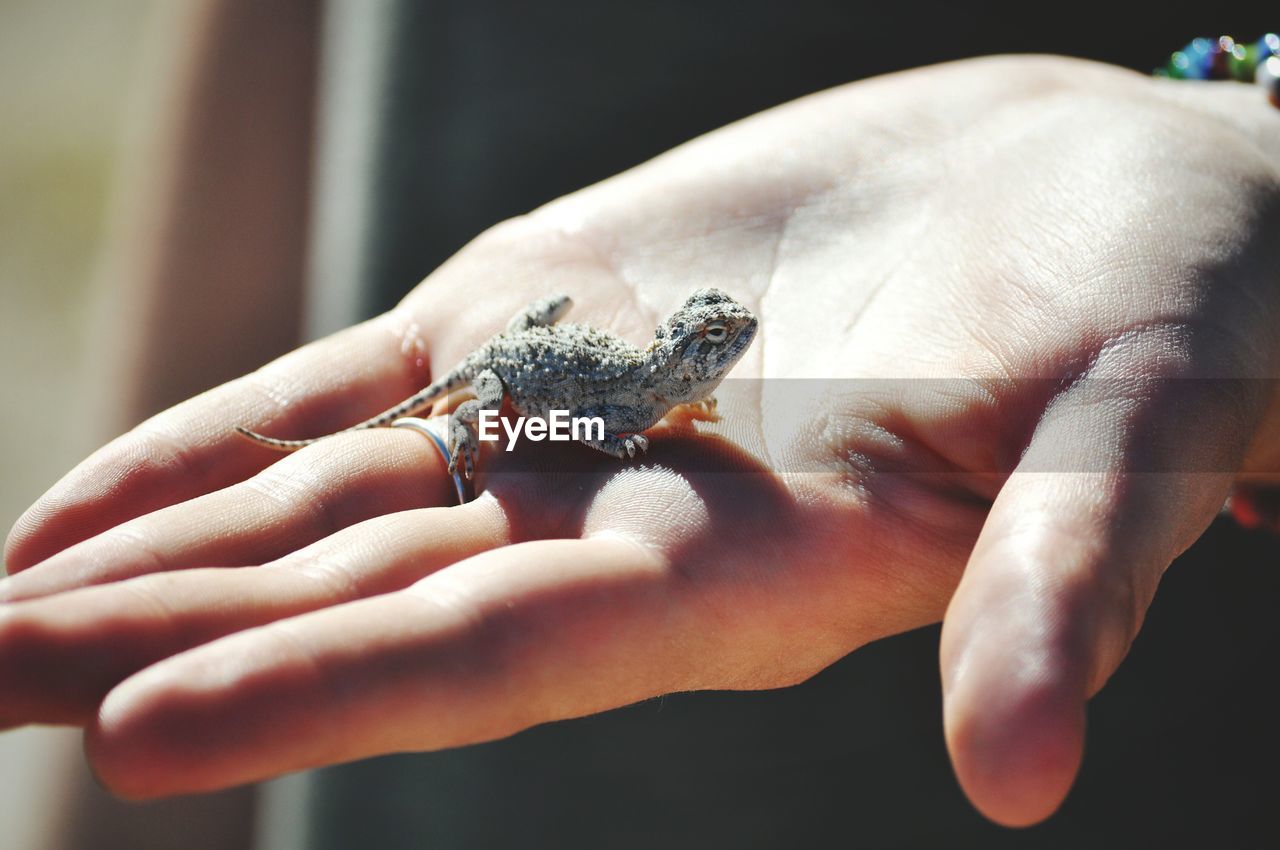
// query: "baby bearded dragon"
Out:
[541,366]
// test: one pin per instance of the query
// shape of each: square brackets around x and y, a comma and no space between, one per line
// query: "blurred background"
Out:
[67,70]
[159,178]
[128,218]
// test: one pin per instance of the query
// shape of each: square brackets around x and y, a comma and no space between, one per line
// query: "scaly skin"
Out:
[542,366]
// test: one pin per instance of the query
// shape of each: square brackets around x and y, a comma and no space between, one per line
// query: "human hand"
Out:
[995,265]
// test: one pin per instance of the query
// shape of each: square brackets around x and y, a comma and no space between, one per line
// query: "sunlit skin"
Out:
[214,614]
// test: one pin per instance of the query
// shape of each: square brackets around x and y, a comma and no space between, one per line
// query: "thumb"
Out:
[1107,494]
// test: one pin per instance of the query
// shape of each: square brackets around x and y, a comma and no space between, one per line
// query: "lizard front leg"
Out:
[620,447]
[463,444]
[541,313]
[627,419]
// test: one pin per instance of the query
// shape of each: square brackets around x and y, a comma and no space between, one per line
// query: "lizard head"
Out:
[694,349]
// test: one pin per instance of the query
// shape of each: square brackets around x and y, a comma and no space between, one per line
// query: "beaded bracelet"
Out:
[1228,59]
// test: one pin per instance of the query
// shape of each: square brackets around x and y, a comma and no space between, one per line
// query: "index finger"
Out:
[190,449]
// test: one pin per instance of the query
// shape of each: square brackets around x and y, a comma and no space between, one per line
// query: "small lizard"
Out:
[542,366]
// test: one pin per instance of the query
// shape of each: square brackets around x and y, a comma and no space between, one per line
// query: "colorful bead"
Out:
[1255,507]
[1226,47]
[1203,55]
[1268,76]
[1242,62]
[1193,62]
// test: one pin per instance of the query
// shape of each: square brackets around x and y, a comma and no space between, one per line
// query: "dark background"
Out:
[493,108]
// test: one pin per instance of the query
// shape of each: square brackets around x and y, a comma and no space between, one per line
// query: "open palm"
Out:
[1016,326]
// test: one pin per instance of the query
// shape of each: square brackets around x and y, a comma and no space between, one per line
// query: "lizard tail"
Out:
[414,404]
[272,442]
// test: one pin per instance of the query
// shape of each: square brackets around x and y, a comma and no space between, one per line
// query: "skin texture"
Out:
[1042,254]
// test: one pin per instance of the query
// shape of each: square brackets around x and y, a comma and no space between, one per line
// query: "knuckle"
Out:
[1103,619]
[339,581]
[296,490]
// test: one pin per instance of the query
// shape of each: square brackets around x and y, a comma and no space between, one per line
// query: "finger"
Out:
[1057,585]
[486,647]
[191,449]
[60,656]
[304,497]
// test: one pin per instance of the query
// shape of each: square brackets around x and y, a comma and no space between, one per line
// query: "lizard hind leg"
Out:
[463,441]
[541,313]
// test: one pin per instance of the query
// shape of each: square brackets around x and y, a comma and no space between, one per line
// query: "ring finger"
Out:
[302,498]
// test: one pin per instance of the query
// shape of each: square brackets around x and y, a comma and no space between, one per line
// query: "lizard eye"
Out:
[716,333]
